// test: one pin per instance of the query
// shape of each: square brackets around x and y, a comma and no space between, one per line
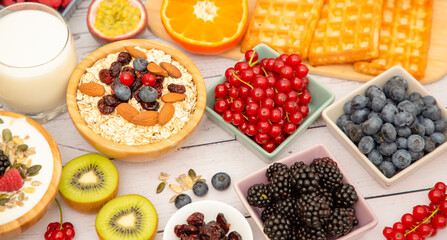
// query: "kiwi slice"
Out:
[88,182]
[129,217]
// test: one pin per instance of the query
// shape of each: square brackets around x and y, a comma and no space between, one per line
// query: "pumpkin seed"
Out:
[33,170]
[160,187]
[1,121]
[22,172]
[3,196]
[4,201]
[22,147]
[7,135]
[192,173]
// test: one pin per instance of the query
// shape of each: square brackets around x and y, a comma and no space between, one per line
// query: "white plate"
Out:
[210,209]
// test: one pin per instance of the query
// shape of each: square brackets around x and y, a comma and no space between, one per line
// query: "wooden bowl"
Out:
[39,201]
[135,153]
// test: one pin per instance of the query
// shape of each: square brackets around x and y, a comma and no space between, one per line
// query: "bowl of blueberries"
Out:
[392,124]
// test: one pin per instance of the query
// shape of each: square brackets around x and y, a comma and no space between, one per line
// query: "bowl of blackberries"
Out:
[306,196]
[391,124]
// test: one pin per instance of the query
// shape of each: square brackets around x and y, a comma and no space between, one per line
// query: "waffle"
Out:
[404,38]
[348,31]
[286,26]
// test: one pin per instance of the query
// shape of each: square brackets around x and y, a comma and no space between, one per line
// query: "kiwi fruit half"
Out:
[88,182]
[129,217]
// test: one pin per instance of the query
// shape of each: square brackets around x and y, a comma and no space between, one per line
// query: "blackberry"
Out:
[312,209]
[258,195]
[345,196]
[341,222]
[326,195]
[281,186]
[4,162]
[273,168]
[278,227]
[304,177]
[286,207]
[305,233]
[330,175]
[267,212]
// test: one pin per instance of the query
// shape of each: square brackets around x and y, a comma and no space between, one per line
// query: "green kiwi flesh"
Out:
[129,217]
[88,178]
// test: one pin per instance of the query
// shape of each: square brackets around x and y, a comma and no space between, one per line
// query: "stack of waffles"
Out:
[375,35]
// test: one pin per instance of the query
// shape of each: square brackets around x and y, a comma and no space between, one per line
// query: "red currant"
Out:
[420,212]
[237,118]
[408,220]
[243,127]
[244,91]
[441,186]
[275,130]
[271,81]
[305,82]
[263,126]
[263,113]
[257,70]
[443,207]
[296,118]
[397,236]
[426,230]
[263,62]
[388,232]
[269,146]
[233,92]
[240,66]
[251,56]
[268,103]
[291,107]
[399,227]
[304,110]
[53,226]
[234,81]
[435,195]
[279,64]
[275,115]
[280,98]
[220,91]
[47,235]
[289,128]
[257,94]
[58,235]
[283,57]
[229,72]
[293,60]
[251,130]
[286,72]
[413,236]
[247,75]
[270,93]
[148,80]
[221,105]
[227,116]
[261,138]
[301,71]
[293,96]
[260,81]
[126,78]
[433,206]
[253,119]
[270,64]
[278,140]
[284,85]
[237,105]
[297,83]
[439,221]
[305,98]
[252,108]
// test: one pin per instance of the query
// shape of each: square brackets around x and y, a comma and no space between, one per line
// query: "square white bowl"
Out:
[333,112]
[366,217]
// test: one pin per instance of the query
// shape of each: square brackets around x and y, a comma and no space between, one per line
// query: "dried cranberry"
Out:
[159,79]
[234,236]
[191,237]
[196,219]
[105,75]
[136,95]
[111,100]
[104,108]
[124,58]
[218,227]
[136,85]
[179,230]
[176,88]
[159,87]
[209,233]
[190,229]
[150,106]
[220,219]
[129,69]
[115,69]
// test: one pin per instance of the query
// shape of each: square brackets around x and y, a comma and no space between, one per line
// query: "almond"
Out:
[135,52]
[172,70]
[157,70]
[146,118]
[166,113]
[92,89]
[173,97]
[126,111]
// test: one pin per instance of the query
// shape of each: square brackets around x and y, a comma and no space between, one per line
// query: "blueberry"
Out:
[415,143]
[387,148]
[403,132]
[376,93]
[221,181]
[372,126]
[356,133]
[403,119]
[441,125]
[401,79]
[401,159]
[388,113]
[414,96]
[372,88]
[429,100]
[428,125]
[397,93]
[378,103]
[200,188]
[387,168]
[416,155]
[429,144]
[347,107]
[375,157]
[182,200]
[140,64]
[347,127]
[388,132]
[148,94]
[374,115]
[342,120]
[391,101]
[359,101]
[122,92]
[366,144]
[407,106]
[401,143]
[438,138]
[360,115]
[433,112]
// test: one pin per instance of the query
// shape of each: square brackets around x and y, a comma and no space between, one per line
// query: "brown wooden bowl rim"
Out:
[27,220]
[114,47]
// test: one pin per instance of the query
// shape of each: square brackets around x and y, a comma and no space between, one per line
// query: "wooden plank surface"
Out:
[437,56]
[210,150]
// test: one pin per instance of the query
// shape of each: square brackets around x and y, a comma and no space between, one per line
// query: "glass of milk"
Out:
[37,57]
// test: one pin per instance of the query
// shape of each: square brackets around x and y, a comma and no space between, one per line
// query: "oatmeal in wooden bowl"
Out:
[136,100]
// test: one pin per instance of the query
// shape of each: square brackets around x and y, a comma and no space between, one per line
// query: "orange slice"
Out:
[205,26]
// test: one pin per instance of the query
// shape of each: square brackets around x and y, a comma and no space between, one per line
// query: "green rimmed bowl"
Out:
[321,98]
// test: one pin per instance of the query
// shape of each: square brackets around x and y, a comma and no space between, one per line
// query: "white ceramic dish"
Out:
[331,114]
[210,209]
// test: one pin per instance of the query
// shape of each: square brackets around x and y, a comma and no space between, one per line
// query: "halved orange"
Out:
[205,26]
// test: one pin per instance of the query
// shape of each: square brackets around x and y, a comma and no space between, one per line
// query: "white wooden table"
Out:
[210,150]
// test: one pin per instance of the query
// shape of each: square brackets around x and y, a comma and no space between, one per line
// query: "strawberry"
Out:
[52,3]
[65,3]
[11,181]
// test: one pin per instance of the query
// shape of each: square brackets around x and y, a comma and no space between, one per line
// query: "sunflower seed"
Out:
[33,170]
[196,178]
[188,182]
[22,147]
[177,189]
[20,203]
[191,173]
[2,209]
[163,178]
[7,135]
[21,196]
[160,187]
[164,174]
[9,204]
[172,199]
[36,183]
[29,189]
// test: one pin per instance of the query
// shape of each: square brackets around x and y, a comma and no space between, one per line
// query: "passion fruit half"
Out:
[114,20]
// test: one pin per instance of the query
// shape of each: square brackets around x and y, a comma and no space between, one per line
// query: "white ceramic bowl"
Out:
[210,209]
[331,114]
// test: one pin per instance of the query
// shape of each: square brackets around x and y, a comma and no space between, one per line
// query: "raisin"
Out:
[176,88]
[150,106]
[111,100]
[105,76]
[136,85]
[196,219]
[220,219]
[234,236]
[159,87]
[159,79]
[104,108]
[115,69]
[136,95]
[124,58]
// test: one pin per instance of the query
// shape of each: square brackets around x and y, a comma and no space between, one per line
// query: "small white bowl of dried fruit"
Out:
[30,170]
[136,100]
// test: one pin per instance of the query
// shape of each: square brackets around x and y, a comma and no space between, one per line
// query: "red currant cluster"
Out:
[59,230]
[425,220]
[266,99]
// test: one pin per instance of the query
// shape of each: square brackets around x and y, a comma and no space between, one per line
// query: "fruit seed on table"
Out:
[192,173]
[188,182]
[175,188]
[33,170]
[160,187]
[22,147]
[7,135]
